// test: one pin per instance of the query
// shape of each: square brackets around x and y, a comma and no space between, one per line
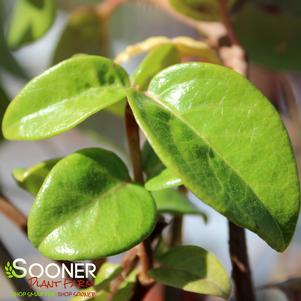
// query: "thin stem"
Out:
[241,272]
[143,249]
[13,213]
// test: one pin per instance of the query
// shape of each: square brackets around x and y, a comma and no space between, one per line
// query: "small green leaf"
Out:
[227,143]
[31,179]
[158,59]
[84,32]
[174,202]
[126,289]
[165,179]
[107,272]
[87,208]
[64,96]
[193,269]
[31,19]
[274,40]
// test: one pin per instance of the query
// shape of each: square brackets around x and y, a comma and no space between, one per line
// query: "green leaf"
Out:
[107,272]
[165,179]
[158,176]
[126,289]
[84,32]
[3,105]
[193,269]
[274,40]
[87,208]
[31,179]
[158,59]
[227,143]
[7,61]
[64,96]
[31,19]
[151,163]
[174,202]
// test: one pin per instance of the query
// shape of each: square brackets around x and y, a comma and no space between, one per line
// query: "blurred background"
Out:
[130,23]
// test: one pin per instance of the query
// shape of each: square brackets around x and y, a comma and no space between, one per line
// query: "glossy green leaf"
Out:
[193,269]
[31,19]
[165,179]
[158,59]
[3,105]
[31,179]
[64,96]
[274,40]
[87,208]
[107,272]
[84,32]
[174,202]
[223,138]
[7,61]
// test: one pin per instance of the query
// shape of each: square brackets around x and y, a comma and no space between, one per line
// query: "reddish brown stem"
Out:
[241,272]
[13,213]
[144,251]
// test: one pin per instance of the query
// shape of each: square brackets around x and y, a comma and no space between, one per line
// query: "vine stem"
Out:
[234,57]
[144,251]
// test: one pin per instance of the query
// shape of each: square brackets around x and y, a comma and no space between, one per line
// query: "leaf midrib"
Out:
[179,117]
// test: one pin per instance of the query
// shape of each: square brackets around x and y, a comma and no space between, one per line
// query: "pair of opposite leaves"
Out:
[207,124]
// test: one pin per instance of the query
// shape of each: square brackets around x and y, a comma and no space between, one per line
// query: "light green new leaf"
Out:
[107,272]
[87,208]
[158,59]
[165,179]
[31,179]
[84,32]
[227,143]
[31,19]
[64,96]
[274,40]
[174,202]
[193,269]
[126,289]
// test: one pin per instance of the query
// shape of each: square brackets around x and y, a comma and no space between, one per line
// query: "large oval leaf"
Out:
[87,208]
[64,96]
[223,138]
[30,21]
[193,269]
[274,40]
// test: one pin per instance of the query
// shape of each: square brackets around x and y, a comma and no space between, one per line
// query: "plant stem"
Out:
[241,272]
[144,251]
[13,213]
